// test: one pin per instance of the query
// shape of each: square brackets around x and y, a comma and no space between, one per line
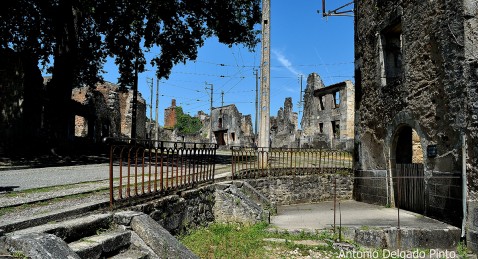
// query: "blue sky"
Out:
[302,42]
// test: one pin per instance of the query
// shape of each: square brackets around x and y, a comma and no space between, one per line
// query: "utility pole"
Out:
[135,101]
[257,104]
[210,111]
[222,98]
[156,125]
[151,83]
[264,133]
[301,102]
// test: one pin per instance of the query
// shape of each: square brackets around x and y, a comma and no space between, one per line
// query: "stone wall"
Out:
[470,71]
[177,214]
[198,207]
[415,62]
[371,186]
[126,108]
[105,111]
[286,190]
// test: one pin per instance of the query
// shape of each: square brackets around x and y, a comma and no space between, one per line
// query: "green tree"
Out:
[186,124]
[78,35]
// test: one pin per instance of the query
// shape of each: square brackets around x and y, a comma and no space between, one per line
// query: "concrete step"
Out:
[98,245]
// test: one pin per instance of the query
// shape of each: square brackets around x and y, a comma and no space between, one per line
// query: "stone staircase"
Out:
[118,235]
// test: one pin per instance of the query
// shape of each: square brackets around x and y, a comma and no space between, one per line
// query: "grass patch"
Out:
[227,241]
[233,240]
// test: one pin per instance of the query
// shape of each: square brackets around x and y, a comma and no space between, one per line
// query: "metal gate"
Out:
[410,186]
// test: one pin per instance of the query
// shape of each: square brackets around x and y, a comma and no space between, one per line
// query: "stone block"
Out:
[38,246]
[124,217]
[159,239]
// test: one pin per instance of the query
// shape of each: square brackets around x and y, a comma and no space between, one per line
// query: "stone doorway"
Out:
[408,170]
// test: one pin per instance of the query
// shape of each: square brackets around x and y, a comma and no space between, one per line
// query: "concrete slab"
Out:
[369,225]
[354,214]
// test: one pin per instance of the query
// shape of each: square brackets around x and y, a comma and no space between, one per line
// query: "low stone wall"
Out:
[445,197]
[371,186]
[286,190]
[179,213]
[222,202]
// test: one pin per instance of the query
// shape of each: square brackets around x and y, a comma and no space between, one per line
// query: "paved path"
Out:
[354,214]
[53,176]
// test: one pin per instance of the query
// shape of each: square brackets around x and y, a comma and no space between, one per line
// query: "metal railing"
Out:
[142,167]
[246,162]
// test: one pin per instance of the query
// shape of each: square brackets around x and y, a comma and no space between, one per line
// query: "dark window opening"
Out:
[219,123]
[321,127]
[336,128]
[392,53]
[233,136]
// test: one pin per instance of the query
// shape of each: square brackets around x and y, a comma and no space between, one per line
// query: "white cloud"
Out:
[285,62]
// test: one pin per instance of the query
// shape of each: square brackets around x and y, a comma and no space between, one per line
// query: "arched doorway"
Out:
[408,170]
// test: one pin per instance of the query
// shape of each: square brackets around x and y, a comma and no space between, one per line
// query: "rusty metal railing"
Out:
[246,161]
[142,167]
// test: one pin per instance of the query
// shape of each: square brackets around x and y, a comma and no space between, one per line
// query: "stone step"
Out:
[131,254]
[105,243]
[74,229]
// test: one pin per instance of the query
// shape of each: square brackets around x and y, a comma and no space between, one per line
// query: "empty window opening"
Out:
[336,128]
[337,99]
[233,136]
[219,123]
[321,101]
[321,127]
[392,54]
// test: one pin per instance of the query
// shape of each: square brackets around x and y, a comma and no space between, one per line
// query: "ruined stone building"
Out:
[328,118]
[284,127]
[230,127]
[95,114]
[107,112]
[170,115]
[417,106]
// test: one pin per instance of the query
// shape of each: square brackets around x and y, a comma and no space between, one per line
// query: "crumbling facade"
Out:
[106,111]
[284,127]
[416,104]
[229,127]
[328,118]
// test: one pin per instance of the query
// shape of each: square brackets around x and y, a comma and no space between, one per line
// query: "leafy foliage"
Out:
[124,30]
[186,124]
[78,35]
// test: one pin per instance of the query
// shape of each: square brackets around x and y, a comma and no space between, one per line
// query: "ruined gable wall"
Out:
[309,117]
[284,126]
[170,115]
